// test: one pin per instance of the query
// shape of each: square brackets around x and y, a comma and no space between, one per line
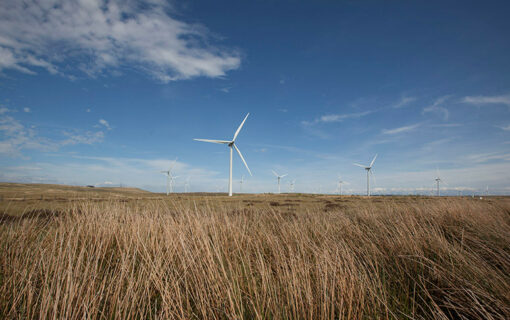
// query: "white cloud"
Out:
[403,102]
[506,128]
[88,137]
[226,89]
[336,117]
[16,137]
[486,157]
[27,110]
[87,110]
[104,36]
[105,123]
[437,108]
[401,129]
[484,100]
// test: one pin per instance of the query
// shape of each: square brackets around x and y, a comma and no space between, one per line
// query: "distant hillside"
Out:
[37,189]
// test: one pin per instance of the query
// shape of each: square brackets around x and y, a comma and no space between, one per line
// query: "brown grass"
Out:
[390,258]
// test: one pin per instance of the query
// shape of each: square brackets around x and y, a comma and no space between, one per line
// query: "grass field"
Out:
[111,253]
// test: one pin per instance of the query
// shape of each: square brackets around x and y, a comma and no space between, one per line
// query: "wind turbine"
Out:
[292,183]
[438,180]
[340,184]
[241,183]
[231,144]
[170,178]
[369,171]
[279,177]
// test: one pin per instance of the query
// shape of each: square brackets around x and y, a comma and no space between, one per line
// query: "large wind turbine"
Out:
[369,171]
[279,177]
[170,178]
[231,144]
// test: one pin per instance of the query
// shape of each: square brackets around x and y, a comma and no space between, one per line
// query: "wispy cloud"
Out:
[485,100]
[336,118]
[105,124]
[437,108]
[16,137]
[446,125]
[485,157]
[506,128]
[226,89]
[404,101]
[107,35]
[432,145]
[401,129]
[88,137]
[27,110]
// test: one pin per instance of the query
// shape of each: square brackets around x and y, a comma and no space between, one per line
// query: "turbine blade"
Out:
[359,165]
[242,158]
[214,141]
[372,163]
[284,175]
[276,174]
[172,165]
[239,129]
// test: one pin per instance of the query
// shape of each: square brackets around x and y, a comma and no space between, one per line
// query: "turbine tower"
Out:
[369,171]
[279,177]
[231,144]
[169,177]
[186,185]
[438,180]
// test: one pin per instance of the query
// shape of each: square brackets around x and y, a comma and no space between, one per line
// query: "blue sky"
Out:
[110,92]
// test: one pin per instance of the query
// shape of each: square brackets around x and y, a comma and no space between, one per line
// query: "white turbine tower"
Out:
[231,144]
[169,177]
[278,177]
[369,171]
[186,185]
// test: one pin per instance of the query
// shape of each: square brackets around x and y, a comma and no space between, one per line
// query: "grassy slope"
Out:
[116,254]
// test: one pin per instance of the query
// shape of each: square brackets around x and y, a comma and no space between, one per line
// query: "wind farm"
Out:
[314,160]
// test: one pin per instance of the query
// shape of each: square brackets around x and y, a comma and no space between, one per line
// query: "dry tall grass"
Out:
[450,259]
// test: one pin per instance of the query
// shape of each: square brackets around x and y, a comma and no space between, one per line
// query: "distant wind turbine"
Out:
[292,183]
[170,178]
[231,144]
[241,183]
[340,184]
[279,178]
[438,180]
[369,171]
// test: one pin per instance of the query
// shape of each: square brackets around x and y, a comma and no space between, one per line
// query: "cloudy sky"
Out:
[111,92]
